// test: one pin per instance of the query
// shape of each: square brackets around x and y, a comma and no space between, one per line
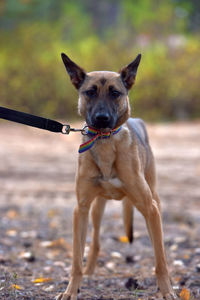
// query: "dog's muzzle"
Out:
[102,120]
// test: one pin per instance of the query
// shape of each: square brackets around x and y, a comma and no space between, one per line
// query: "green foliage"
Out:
[104,35]
[168,82]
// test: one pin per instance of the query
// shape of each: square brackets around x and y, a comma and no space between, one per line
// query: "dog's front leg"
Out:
[85,196]
[80,222]
[97,213]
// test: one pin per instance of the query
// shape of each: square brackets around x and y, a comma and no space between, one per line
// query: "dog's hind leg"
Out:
[141,195]
[128,218]
[150,176]
[153,221]
[151,212]
[96,213]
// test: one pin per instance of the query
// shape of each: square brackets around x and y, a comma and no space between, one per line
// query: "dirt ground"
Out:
[37,197]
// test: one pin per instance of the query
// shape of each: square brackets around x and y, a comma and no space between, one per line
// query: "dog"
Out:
[115,162]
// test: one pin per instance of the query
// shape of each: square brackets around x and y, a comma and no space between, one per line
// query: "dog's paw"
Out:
[64,296]
[170,296]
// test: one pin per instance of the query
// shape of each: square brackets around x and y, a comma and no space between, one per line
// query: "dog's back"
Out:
[138,127]
[138,130]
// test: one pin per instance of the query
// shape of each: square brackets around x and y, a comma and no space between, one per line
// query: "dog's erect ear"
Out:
[129,72]
[76,73]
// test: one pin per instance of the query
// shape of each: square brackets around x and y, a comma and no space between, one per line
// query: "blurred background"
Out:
[37,169]
[101,35]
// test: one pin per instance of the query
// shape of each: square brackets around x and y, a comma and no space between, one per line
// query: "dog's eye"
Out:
[91,93]
[114,93]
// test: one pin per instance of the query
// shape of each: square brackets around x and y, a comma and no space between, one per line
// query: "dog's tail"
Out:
[128,217]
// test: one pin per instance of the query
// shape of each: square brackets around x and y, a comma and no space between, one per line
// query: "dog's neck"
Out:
[96,134]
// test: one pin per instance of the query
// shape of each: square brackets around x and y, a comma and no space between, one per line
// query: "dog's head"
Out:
[103,95]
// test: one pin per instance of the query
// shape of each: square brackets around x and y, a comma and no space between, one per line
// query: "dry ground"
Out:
[37,198]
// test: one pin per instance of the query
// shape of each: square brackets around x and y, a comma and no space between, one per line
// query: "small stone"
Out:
[47,269]
[2,259]
[129,259]
[86,251]
[28,234]
[179,239]
[131,284]
[137,234]
[197,251]
[137,257]
[173,247]
[182,282]
[59,264]
[110,265]
[178,263]
[49,288]
[198,268]
[65,281]
[116,254]
[46,244]
[176,287]
[27,244]
[28,256]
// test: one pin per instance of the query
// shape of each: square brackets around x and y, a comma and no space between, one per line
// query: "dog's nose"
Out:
[102,117]
[102,120]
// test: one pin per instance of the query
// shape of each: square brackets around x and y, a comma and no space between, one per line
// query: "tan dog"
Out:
[119,167]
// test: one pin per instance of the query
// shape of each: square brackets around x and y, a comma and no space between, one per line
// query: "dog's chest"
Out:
[105,156]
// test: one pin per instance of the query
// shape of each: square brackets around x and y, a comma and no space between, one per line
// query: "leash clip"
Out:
[67,129]
[84,130]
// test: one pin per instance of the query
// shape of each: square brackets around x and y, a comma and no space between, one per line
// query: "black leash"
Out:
[35,121]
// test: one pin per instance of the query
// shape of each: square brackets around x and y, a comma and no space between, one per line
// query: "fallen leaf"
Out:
[178,278]
[59,243]
[185,294]
[52,213]
[42,279]
[53,224]
[11,232]
[123,239]
[16,287]
[12,214]
[53,253]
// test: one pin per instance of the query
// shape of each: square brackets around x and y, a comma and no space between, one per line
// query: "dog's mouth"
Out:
[101,125]
[105,130]
[101,129]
